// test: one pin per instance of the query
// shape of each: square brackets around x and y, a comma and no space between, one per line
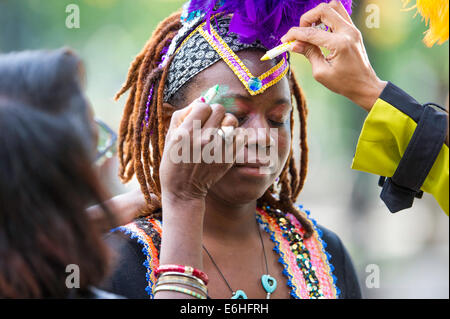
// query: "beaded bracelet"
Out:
[179,289]
[183,269]
[182,281]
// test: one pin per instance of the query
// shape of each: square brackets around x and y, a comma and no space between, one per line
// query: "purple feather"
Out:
[264,20]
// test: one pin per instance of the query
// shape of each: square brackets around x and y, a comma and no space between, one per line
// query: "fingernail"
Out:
[215,106]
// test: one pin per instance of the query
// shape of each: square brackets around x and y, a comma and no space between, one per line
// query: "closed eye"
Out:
[242,119]
[277,123]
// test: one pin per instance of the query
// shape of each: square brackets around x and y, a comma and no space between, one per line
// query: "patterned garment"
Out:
[306,263]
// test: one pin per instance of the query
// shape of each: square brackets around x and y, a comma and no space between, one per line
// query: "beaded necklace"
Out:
[268,282]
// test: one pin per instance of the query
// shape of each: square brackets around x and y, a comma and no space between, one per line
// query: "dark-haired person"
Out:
[229,222]
[47,180]
[53,81]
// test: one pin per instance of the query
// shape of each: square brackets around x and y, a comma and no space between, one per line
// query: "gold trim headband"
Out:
[205,46]
[254,85]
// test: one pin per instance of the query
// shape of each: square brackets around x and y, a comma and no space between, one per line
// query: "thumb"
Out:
[319,63]
[312,52]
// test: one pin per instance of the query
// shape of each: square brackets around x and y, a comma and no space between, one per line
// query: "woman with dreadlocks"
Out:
[222,229]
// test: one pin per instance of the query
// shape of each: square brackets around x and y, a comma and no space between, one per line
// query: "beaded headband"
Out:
[204,46]
[254,85]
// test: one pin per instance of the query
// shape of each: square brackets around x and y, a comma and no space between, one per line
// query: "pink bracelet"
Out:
[183,269]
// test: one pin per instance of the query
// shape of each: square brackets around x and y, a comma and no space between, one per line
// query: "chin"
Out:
[238,188]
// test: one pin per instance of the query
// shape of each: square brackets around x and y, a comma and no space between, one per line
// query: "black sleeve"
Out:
[128,274]
[347,280]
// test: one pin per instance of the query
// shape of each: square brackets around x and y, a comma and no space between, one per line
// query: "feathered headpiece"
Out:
[435,13]
[258,23]
[263,20]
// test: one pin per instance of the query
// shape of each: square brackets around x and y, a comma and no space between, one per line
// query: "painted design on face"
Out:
[218,95]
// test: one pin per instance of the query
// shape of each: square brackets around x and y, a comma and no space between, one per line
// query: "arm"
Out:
[385,136]
[125,208]
[184,186]
[347,71]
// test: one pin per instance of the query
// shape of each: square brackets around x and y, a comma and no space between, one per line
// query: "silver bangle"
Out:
[174,273]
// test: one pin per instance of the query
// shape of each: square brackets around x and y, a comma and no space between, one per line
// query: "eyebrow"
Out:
[248,98]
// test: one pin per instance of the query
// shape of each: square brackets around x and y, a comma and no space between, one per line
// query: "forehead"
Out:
[220,73]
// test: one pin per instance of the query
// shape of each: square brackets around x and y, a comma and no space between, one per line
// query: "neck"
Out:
[229,222]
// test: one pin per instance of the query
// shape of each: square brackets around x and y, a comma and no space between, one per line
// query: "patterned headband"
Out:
[205,45]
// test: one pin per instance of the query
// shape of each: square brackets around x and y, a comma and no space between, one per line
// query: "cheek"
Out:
[283,143]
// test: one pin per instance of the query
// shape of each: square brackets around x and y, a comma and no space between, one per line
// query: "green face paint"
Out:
[217,95]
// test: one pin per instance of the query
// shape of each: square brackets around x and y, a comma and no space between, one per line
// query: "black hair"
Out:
[51,81]
[47,178]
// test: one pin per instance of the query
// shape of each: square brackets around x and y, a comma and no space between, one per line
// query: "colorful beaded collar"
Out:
[254,84]
[306,264]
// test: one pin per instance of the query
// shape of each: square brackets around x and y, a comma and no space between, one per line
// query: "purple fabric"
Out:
[264,20]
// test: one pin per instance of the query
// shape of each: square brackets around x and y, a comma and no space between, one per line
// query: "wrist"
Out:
[180,209]
[367,98]
[182,234]
[182,200]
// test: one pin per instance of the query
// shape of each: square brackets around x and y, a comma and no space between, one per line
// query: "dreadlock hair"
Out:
[141,144]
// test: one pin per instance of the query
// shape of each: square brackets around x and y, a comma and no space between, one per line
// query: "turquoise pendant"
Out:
[269,283]
[239,294]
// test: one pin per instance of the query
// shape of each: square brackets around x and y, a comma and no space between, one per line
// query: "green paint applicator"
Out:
[218,95]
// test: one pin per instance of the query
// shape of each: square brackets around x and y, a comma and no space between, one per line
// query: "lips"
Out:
[252,165]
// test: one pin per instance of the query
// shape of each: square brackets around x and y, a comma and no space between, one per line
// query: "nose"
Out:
[259,132]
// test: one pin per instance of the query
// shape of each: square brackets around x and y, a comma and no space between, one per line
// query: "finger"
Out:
[326,14]
[340,9]
[230,120]
[311,52]
[200,112]
[313,36]
[211,125]
[178,117]
[228,125]
[216,117]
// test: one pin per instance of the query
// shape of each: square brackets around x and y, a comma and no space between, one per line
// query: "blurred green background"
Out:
[410,249]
